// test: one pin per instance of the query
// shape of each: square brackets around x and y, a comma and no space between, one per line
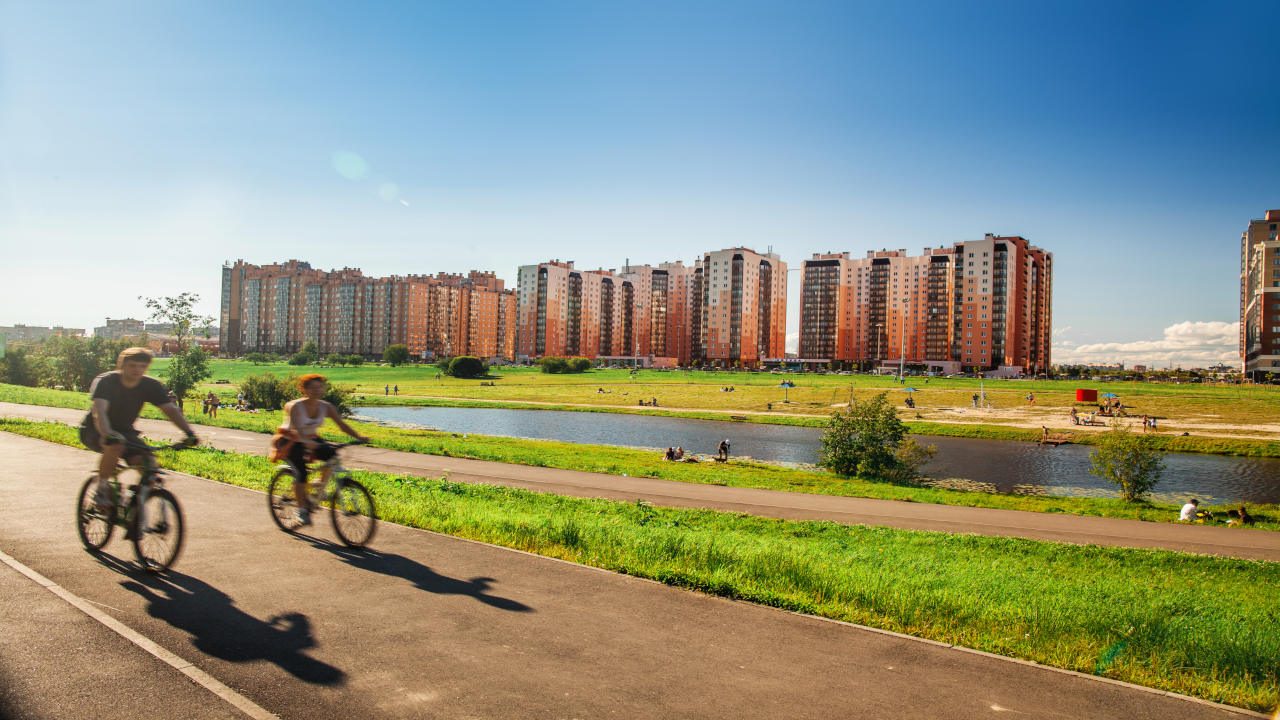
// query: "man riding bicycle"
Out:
[302,419]
[117,399]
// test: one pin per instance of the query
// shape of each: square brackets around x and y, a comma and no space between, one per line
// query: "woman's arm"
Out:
[342,424]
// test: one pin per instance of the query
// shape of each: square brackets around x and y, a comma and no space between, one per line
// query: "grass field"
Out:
[1217,418]
[1198,625]
[641,463]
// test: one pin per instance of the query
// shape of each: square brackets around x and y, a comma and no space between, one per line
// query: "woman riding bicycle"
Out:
[302,419]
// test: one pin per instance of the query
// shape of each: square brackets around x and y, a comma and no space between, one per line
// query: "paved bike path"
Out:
[1207,539]
[426,625]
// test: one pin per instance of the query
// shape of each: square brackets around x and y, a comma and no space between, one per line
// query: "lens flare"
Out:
[350,165]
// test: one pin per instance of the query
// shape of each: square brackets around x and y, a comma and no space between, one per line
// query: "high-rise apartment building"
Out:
[281,307]
[982,303]
[738,303]
[1260,296]
[641,312]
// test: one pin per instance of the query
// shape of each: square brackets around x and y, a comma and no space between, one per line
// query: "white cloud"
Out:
[1186,344]
[793,342]
[1061,331]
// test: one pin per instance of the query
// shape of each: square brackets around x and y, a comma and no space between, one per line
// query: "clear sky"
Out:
[144,143]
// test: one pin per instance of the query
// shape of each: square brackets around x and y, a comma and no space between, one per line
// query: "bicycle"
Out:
[351,508]
[147,511]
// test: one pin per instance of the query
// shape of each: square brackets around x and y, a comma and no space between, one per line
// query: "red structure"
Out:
[1083,395]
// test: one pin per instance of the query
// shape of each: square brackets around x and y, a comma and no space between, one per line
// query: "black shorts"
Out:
[134,447]
[298,455]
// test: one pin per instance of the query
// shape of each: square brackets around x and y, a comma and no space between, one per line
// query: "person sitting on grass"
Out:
[1189,510]
[679,453]
[1239,517]
[303,418]
[671,453]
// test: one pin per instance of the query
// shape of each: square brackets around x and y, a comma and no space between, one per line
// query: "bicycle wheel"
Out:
[94,526]
[156,530]
[281,502]
[352,512]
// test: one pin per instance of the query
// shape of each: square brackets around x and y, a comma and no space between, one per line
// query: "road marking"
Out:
[198,676]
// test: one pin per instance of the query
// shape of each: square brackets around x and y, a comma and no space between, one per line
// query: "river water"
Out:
[1006,466]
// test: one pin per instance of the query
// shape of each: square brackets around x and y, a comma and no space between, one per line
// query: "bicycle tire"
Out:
[157,530]
[94,529]
[353,514]
[281,502]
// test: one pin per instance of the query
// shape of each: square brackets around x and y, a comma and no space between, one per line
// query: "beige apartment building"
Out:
[738,308]
[978,304]
[1260,296]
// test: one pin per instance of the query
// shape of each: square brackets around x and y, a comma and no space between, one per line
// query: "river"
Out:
[1007,466]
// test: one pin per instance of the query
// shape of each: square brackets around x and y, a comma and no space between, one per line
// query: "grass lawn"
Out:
[1192,624]
[642,463]
[1230,419]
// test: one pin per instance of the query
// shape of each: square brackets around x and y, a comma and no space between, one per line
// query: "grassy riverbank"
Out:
[1191,624]
[1210,414]
[641,463]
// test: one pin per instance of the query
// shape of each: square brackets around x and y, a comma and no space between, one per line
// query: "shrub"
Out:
[258,358]
[553,365]
[1129,461]
[336,359]
[268,392]
[580,364]
[395,354]
[869,440]
[355,359]
[465,366]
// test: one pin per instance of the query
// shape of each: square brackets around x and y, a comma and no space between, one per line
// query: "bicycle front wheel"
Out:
[353,514]
[94,526]
[156,530]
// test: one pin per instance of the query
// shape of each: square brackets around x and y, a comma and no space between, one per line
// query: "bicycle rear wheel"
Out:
[93,526]
[281,501]
[156,530]
[353,514]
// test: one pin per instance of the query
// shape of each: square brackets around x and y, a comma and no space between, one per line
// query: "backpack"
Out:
[281,444]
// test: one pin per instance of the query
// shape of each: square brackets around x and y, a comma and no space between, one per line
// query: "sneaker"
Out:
[102,498]
[304,517]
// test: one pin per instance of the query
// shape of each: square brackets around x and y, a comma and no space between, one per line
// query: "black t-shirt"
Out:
[124,403]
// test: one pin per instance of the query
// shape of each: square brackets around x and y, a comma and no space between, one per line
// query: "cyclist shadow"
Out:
[422,577]
[219,629]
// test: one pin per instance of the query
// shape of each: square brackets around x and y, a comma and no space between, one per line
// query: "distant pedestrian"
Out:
[386,389]
[975,399]
[1031,399]
[722,452]
[1146,423]
[1153,423]
[397,390]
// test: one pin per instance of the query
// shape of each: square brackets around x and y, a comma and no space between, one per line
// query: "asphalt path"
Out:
[1206,539]
[430,626]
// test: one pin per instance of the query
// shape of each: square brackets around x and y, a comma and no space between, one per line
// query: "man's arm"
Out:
[342,424]
[99,410]
[176,417]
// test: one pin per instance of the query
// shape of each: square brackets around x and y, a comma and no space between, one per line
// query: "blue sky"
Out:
[142,144]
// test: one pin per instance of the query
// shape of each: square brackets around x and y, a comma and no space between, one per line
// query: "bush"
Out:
[268,392]
[580,364]
[553,365]
[259,358]
[355,360]
[336,359]
[1130,462]
[396,354]
[869,440]
[465,366]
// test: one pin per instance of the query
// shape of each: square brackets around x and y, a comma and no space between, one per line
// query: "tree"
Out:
[73,362]
[868,440]
[180,310]
[465,366]
[17,369]
[355,359]
[336,359]
[308,354]
[580,364]
[268,392]
[1127,460]
[397,354]
[186,370]
[258,358]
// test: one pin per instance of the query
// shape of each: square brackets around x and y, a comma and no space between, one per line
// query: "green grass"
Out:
[641,463]
[1198,625]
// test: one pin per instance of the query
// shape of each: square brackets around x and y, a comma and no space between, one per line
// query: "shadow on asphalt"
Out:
[422,577]
[219,629]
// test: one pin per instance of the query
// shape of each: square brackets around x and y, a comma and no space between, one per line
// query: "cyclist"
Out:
[117,397]
[302,419]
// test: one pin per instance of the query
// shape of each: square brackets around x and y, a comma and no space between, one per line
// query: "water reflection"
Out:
[995,465]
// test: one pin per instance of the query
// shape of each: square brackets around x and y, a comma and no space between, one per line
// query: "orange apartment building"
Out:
[641,312]
[281,307]
[738,301]
[983,303]
[1260,296]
